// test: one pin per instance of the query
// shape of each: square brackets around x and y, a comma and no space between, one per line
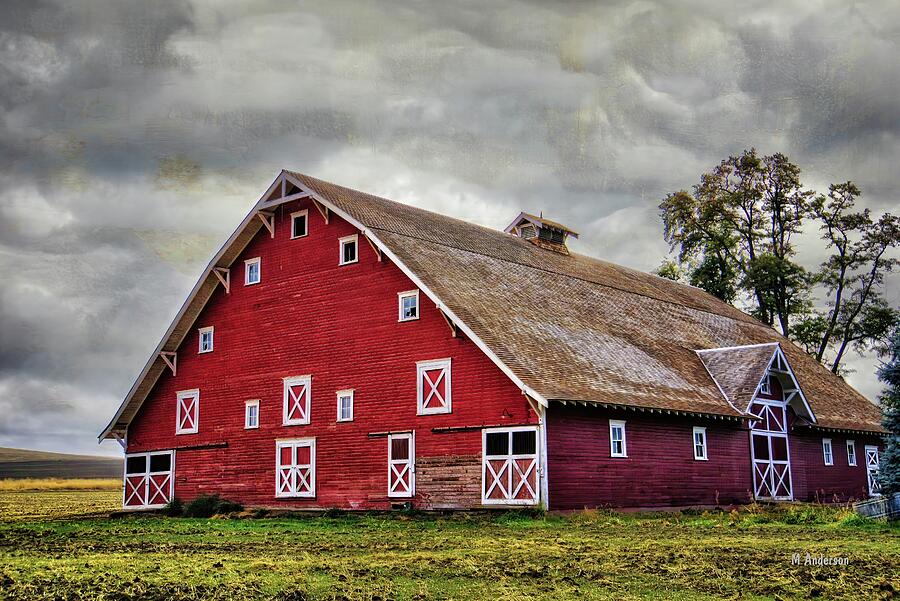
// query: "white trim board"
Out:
[282,179]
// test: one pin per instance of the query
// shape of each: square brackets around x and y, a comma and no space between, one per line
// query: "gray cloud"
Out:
[134,134]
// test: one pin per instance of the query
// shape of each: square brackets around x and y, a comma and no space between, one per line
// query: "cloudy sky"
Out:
[134,135]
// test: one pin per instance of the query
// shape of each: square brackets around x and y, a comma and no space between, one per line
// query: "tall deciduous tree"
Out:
[736,229]
[852,277]
[734,234]
[889,373]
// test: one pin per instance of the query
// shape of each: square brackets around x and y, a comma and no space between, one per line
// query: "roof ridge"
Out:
[745,318]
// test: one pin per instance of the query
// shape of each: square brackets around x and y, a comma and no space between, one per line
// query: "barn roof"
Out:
[567,328]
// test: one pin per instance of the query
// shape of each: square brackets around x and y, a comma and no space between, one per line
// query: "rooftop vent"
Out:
[541,232]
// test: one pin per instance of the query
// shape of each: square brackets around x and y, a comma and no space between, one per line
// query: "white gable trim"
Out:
[428,292]
[789,394]
[264,203]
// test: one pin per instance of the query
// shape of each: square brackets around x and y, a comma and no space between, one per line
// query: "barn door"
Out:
[770,456]
[872,465]
[295,468]
[149,479]
[510,470]
[401,465]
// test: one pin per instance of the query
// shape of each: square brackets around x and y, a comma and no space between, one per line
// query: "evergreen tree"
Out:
[889,373]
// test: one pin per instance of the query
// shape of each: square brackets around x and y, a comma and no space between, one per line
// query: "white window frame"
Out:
[343,241]
[296,442]
[410,463]
[827,451]
[851,453]
[511,464]
[421,368]
[145,483]
[342,394]
[617,423]
[704,456]
[404,295]
[293,381]
[207,330]
[765,387]
[247,425]
[181,395]
[294,215]
[254,261]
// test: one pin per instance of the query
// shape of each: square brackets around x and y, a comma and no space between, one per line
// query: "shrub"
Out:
[174,508]
[206,506]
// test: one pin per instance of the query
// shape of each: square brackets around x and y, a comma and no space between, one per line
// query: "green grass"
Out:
[48,552]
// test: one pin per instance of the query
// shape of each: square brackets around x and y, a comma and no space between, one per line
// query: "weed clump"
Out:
[173,508]
[206,506]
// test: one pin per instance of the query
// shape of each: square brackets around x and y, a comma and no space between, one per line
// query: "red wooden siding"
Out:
[815,481]
[660,469]
[308,316]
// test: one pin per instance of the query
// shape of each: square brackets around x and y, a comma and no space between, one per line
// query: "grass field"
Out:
[62,545]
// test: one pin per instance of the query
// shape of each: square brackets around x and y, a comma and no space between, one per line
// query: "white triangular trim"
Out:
[428,292]
[262,203]
[779,355]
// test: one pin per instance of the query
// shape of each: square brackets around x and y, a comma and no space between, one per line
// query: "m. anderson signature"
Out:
[810,559]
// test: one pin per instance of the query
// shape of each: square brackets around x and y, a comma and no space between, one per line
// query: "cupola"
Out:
[541,232]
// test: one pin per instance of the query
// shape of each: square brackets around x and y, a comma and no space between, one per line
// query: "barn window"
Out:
[510,471]
[299,224]
[296,467]
[764,386]
[826,451]
[349,250]
[148,479]
[401,465]
[433,386]
[251,414]
[297,393]
[617,446]
[851,452]
[700,443]
[206,340]
[252,272]
[345,406]
[409,305]
[187,412]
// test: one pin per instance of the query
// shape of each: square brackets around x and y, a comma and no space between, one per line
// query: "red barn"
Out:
[343,350]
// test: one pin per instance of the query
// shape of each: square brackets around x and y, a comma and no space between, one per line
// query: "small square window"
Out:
[700,443]
[826,451]
[299,224]
[349,249]
[617,446]
[764,386]
[252,273]
[206,340]
[409,305]
[251,414]
[851,452]
[345,406]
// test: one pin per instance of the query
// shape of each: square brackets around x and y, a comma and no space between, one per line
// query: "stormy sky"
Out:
[134,135]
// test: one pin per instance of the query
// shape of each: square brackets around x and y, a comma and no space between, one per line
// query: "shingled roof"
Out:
[573,327]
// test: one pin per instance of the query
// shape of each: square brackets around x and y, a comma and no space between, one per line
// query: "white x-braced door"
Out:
[149,479]
[872,465]
[295,468]
[770,455]
[510,467]
[401,465]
